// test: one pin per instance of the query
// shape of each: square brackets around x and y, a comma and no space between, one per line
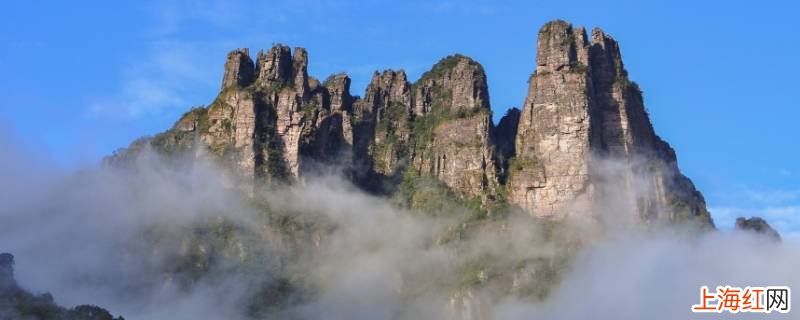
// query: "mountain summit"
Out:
[583,141]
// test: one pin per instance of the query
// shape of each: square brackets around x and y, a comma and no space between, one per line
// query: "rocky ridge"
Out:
[276,124]
[17,303]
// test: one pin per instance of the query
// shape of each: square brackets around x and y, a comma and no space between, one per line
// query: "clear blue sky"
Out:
[79,79]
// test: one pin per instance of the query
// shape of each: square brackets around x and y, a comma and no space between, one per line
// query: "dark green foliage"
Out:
[198,116]
[431,196]
[276,162]
[568,40]
[443,66]
[522,162]
[17,303]
[90,312]
[577,67]
[272,297]
[475,272]
[683,213]
[391,130]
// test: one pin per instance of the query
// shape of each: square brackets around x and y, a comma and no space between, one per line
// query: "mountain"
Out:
[288,197]
[17,304]
[583,134]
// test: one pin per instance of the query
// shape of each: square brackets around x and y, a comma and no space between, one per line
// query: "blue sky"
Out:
[80,79]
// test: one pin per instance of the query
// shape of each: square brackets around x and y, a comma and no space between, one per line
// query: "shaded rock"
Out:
[274,67]
[239,69]
[384,116]
[757,225]
[504,136]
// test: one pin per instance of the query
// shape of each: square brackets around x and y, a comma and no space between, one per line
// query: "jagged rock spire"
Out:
[239,69]
[460,77]
[338,87]
[581,111]
[300,71]
[581,114]
[388,87]
[274,67]
[551,169]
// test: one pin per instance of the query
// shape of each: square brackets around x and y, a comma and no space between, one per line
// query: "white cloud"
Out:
[773,196]
[167,77]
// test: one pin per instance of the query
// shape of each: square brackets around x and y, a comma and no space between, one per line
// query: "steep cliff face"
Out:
[384,116]
[453,125]
[582,143]
[270,121]
[439,126]
[585,142]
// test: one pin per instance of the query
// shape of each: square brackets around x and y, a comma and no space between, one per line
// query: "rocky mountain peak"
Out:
[274,67]
[300,71]
[273,121]
[559,46]
[582,111]
[239,69]
[339,97]
[385,88]
[758,226]
[456,83]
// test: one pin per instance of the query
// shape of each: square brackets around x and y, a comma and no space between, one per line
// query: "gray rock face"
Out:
[276,125]
[384,117]
[456,84]
[274,67]
[453,127]
[239,69]
[584,137]
[582,143]
[757,225]
[551,171]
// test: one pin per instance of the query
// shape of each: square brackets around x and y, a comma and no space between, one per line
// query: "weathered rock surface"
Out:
[584,137]
[453,127]
[757,225]
[582,143]
[239,69]
[384,121]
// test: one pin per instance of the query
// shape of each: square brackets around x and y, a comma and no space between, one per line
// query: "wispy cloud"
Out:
[463,7]
[163,79]
[773,196]
[175,70]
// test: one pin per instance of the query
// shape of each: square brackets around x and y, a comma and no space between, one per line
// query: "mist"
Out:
[113,236]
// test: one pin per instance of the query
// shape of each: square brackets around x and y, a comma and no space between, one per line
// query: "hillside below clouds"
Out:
[582,141]
[288,197]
